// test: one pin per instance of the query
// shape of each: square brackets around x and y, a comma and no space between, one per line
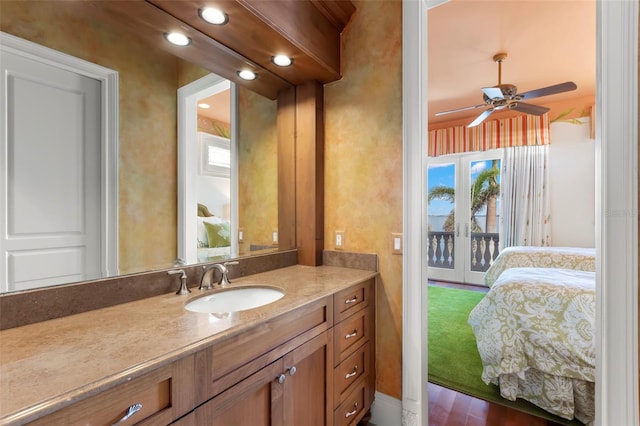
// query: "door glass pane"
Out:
[441,221]
[484,202]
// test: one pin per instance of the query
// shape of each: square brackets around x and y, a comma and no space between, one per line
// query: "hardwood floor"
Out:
[451,408]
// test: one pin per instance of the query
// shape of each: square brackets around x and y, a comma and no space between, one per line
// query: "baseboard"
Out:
[386,410]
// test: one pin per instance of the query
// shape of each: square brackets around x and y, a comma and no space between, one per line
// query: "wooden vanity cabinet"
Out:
[312,366]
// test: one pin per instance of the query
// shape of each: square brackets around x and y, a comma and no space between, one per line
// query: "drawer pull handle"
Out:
[353,373]
[352,413]
[354,300]
[281,378]
[130,412]
[354,333]
[292,370]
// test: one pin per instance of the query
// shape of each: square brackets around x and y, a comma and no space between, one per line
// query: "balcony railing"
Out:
[483,250]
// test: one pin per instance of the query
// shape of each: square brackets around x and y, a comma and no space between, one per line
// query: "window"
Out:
[215,156]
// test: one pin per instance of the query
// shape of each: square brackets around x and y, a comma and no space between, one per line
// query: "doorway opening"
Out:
[207,171]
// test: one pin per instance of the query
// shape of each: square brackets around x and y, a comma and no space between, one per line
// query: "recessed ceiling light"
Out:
[203,105]
[177,39]
[247,75]
[282,60]
[213,16]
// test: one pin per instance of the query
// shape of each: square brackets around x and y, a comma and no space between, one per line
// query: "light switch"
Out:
[240,235]
[396,243]
[339,240]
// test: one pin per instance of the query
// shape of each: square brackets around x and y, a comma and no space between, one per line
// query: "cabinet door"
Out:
[308,388]
[255,401]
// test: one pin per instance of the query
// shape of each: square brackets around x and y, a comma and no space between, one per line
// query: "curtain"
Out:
[525,197]
[521,130]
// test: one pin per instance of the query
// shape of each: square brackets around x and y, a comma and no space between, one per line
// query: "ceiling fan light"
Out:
[213,16]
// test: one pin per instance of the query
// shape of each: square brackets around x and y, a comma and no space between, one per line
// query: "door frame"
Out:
[616,212]
[188,149]
[109,135]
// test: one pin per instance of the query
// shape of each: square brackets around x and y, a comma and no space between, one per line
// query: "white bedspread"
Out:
[535,335]
[581,259]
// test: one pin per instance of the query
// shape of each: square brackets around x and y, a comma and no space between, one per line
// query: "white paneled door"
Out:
[51,170]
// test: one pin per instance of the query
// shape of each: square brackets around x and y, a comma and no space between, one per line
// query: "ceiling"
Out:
[219,107]
[547,42]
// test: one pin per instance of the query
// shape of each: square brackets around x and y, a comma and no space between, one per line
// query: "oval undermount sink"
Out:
[235,299]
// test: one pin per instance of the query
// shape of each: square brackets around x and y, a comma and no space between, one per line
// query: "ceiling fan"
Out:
[506,96]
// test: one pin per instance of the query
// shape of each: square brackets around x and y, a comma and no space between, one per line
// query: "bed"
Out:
[576,258]
[535,329]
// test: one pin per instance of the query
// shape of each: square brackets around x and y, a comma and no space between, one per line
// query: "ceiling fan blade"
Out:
[459,109]
[479,119]
[550,90]
[493,92]
[529,108]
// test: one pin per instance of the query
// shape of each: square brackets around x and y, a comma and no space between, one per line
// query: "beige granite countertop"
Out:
[48,365]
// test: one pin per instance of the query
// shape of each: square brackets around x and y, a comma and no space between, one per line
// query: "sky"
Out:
[444,174]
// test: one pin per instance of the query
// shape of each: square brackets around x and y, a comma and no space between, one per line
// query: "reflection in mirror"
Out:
[207,171]
[149,79]
[236,209]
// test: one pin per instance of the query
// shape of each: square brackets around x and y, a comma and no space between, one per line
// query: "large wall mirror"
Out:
[147,152]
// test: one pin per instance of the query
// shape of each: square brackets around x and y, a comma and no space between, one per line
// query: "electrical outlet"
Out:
[396,243]
[339,240]
[274,237]
[240,235]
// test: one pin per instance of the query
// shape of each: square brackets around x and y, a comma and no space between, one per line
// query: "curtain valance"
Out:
[522,130]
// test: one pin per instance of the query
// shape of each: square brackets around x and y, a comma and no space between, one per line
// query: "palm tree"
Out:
[445,193]
[484,192]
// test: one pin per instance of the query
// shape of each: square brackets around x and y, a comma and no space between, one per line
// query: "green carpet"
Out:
[454,361]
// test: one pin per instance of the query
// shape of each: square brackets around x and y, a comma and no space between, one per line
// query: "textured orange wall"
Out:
[257,169]
[148,80]
[363,165]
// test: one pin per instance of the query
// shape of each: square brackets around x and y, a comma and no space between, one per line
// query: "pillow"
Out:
[218,234]
[203,211]
[203,241]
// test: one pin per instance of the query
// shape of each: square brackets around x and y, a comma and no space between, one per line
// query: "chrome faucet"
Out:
[183,281]
[205,282]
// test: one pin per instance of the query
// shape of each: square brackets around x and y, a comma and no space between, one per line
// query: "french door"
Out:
[463,215]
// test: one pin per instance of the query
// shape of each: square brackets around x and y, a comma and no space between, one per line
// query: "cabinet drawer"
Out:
[352,409]
[350,334]
[152,391]
[348,373]
[226,363]
[352,299]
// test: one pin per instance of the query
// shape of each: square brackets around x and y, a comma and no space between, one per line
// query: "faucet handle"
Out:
[224,279]
[183,281]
